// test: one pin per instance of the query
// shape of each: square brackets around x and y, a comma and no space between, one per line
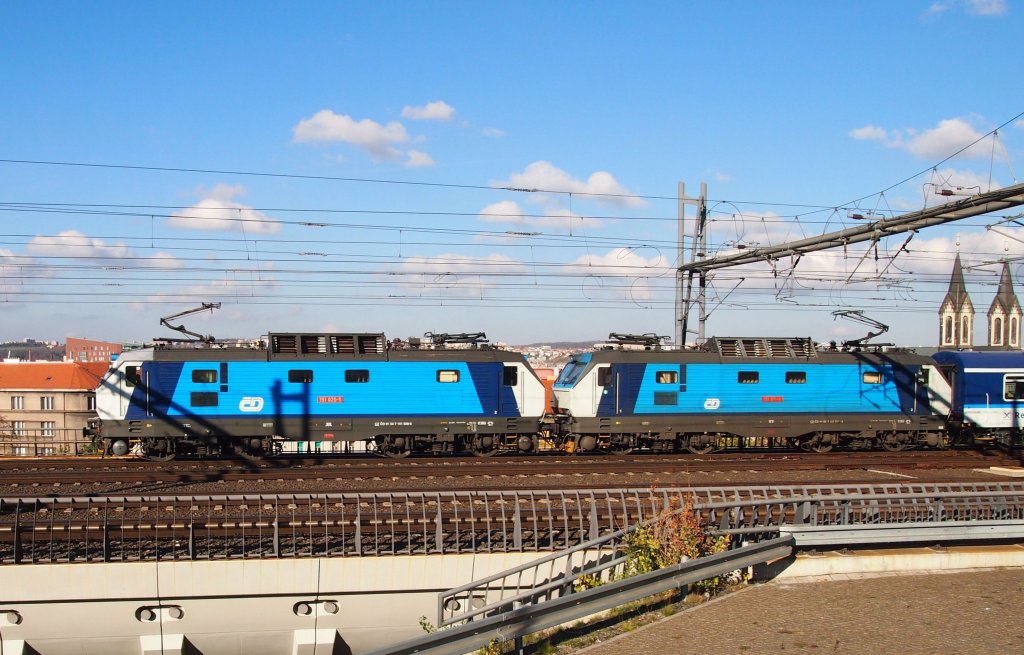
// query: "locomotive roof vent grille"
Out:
[284,344]
[762,347]
[326,345]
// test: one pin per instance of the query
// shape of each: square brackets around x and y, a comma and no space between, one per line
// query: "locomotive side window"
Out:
[447,376]
[357,375]
[510,376]
[748,377]
[666,377]
[796,377]
[204,376]
[131,375]
[604,376]
[872,377]
[204,399]
[1013,387]
[303,376]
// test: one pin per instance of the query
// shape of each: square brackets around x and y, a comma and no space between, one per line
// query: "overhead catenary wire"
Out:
[280,259]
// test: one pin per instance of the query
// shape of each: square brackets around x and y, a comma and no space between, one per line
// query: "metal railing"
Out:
[140,528]
[527,612]
[590,577]
[51,442]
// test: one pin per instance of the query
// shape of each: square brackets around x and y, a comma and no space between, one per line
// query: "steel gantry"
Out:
[967,207]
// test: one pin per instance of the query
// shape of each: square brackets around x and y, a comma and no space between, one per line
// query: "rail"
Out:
[167,527]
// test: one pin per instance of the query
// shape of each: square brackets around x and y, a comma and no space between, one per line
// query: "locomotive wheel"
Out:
[819,443]
[395,447]
[158,450]
[699,445]
[620,446]
[251,450]
[483,446]
[894,444]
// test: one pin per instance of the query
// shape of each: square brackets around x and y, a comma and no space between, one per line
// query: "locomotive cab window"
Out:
[1013,387]
[357,375]
[604,376]
[510,376]
[748,377]
[872,377]
[796,377]
[204,376]
[131,375]
[666,377]
[302,376]
[447,376]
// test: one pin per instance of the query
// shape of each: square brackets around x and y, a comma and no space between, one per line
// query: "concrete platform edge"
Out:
[812,567]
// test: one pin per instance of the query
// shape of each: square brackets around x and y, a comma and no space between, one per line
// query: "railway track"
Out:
[17,474]
[256,526]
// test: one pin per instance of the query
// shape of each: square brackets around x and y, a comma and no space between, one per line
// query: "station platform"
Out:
[929,611]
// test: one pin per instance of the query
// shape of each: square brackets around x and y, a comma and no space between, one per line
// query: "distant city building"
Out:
[45,405]
[87,350]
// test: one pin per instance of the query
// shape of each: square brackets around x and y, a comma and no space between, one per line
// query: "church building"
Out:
[956,315]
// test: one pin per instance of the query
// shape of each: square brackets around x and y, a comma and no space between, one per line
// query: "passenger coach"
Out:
[987,401]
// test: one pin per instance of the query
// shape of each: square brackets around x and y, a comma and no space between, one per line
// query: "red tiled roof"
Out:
[52,375]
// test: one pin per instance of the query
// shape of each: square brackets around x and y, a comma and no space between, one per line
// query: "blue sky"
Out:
[342,166]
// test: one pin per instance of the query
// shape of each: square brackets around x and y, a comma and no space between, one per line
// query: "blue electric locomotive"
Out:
[748,392]
[398,399]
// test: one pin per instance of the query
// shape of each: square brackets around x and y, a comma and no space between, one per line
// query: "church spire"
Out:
[956,314]
[1004,316]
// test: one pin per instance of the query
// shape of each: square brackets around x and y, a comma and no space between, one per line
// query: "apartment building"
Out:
[45,405]
[89,350]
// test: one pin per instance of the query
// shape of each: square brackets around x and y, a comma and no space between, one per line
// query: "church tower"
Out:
[1004,315]
[956,314]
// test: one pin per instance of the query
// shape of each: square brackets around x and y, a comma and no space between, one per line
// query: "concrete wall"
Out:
[250,607]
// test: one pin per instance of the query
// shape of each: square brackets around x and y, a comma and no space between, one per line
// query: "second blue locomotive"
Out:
[742,392]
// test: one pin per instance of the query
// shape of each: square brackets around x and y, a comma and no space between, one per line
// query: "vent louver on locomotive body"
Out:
[768,348]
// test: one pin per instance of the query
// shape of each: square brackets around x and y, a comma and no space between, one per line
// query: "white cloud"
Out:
[987,7]
[960,181]
[432,111]
[218,211]
[509,212]
[949,136]
[975,7]
[869,133]
[457,274]
[217,290]
[8,261]
[456,264]
[377,140]
[939,142]
[417,159]
[639,271]
[72,243]
[492,132]
[601,186]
